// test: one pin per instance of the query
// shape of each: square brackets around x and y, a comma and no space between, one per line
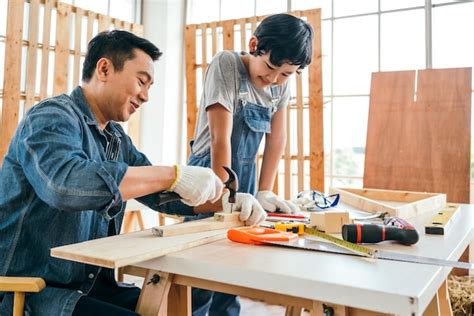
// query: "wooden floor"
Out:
[249,307]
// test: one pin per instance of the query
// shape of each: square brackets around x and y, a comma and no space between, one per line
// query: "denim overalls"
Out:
[250,122]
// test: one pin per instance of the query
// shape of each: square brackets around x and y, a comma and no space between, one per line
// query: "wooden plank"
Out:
[243,41]
[316,146]
[203,28]
[11,83]
[179,300]
[45,49]
[153,298]
[191,102]
[422,142]
[137,29]
[228,35]
[61,57]
[372,200]
[214,38]
[287,159]
[31,63]
[90,25]
[21,284]
[253,23]
[201,225]
[299,132]
[126,249]
[228,217]
[77,47]
[104,23]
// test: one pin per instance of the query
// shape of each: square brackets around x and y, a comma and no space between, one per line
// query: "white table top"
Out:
[378,285]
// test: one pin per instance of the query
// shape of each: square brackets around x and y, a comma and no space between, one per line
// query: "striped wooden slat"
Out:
[316,146]
[62,48]
[137,29]
[287,157]
[191,100]
[243,42]
[228,35]
[77,46]
[253,23]
[11,83]
[299,131]
[214,38]
[104,22]
[203,28]
[127,26]
[48,5]
[32,56]
[90,25]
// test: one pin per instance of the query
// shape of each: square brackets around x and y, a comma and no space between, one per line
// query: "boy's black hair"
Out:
[118,46]
[288,39]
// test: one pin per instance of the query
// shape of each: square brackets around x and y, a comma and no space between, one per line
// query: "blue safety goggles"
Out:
[320,200]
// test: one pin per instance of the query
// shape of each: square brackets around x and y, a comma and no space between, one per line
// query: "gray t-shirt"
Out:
[221,85]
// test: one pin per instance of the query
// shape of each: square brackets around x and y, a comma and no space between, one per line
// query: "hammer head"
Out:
[232,183]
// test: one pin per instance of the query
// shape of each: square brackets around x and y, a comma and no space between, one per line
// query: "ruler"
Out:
[439,224]
[363,251]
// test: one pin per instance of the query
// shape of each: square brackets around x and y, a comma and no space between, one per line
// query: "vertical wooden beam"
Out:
[77,47]
[228,35]
[45,50]
[316,146]
[299,132]
[104,22]
[214,38]
[243,34]
[11,82]
[31,62]
[154,295]
[61,57]
[203,28]
[179,300]
[287,158]
[191,102]
[90,25]
[137,29]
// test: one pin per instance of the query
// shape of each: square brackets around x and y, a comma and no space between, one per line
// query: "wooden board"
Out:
[420,142]
[125,249]
[411,204]
[201,225]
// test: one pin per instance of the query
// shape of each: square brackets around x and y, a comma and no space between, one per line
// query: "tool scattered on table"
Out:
[373,233]
[330,221]
[439,224]
[313,201]
[330,244]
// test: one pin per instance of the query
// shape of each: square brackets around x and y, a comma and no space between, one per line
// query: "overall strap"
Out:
[244,80]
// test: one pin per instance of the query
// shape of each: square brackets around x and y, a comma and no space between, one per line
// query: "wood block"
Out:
[228,217]
[330,221]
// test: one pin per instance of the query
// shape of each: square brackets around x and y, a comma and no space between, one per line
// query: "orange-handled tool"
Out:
[258,235]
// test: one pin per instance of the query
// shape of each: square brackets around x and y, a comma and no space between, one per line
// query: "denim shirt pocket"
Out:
[256,122]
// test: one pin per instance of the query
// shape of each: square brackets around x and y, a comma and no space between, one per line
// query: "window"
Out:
[358,38]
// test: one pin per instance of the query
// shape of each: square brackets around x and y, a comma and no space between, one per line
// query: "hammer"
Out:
[232,184]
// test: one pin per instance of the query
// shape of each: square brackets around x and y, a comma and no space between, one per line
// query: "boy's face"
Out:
[263,73]
[126,90]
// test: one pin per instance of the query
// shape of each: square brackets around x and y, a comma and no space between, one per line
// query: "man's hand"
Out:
[251,212]
[271,203]
[196,185]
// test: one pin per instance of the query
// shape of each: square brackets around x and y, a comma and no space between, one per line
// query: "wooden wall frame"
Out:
[67,53]
[225,35]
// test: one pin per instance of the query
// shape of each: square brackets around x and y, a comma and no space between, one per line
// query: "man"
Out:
[68,172]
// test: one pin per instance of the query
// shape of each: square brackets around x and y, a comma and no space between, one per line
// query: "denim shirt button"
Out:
[79,291]
[91,275]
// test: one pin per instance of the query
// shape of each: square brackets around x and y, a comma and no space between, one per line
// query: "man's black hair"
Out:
[288,39]
[118,46]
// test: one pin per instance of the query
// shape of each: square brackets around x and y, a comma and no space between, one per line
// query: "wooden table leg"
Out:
[293,311]
[179,300]
[153,299]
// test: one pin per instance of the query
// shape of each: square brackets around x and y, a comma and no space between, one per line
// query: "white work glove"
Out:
[251,212]
[197,185]
[271,203]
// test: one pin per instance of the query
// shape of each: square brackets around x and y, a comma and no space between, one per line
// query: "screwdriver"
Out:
[374,233]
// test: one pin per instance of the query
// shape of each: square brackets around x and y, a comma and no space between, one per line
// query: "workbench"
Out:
[295,278]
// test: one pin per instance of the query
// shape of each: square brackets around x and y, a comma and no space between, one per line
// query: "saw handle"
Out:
[373,233]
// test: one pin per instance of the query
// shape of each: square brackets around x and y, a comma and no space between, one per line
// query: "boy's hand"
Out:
[251,212]
[271,203]
[197,185]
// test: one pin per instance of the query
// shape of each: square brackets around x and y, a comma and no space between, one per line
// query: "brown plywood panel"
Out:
[422,142]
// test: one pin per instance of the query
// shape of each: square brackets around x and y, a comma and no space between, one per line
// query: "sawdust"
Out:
[461,293]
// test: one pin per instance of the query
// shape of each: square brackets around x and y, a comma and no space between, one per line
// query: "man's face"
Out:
[126,90]
[263,73]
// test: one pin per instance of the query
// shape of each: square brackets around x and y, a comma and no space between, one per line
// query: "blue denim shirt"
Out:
[59,185]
